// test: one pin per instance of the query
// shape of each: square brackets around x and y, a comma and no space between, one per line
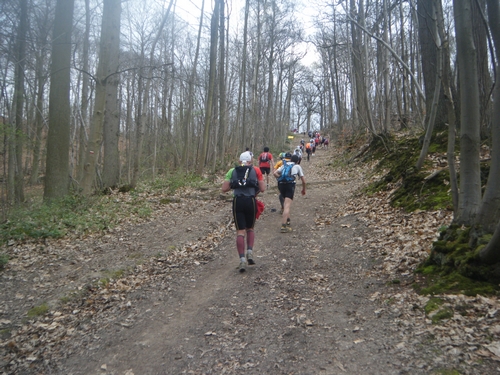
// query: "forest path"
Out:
[304,308]
[318,301]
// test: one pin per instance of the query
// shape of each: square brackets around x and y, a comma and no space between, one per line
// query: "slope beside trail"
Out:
[311,305]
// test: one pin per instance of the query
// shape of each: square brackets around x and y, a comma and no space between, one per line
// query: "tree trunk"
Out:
[96,128]
[437,92]
[222,83]
[429,59]
[19,99]
[111,160]
[242,92]
[57,170]
[489,213]
[39,120]
[84,106]
[190,97]
[470,179]
[211,88]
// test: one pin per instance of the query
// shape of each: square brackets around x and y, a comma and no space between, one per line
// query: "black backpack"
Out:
[244,177]
[264,158]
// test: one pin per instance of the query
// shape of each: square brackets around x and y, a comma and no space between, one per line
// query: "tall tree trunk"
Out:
[470,179]
[84,106]
[57,170]
[429,57]
[489,213]
[255,78]
[111,160]
[39,120]
[242,92]
[437,92]
[222,82]
[188,121]
[19,99]
[211,88]
[96,127]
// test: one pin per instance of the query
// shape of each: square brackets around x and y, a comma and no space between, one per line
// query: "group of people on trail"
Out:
[247,182]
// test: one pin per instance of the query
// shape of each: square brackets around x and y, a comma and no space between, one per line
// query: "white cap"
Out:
[246,156]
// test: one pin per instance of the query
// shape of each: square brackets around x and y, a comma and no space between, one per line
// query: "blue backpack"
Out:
[286,174]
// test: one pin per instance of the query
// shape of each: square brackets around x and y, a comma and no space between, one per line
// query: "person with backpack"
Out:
[298,152]
[285,158]
[286,175]
[266,163]
[308,150]
[246,182]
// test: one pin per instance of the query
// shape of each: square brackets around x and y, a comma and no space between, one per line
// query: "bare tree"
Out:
[211,87]
[109,31]
[470,179]
[57,170]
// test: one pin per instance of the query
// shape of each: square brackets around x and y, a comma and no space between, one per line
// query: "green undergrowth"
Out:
[413,189]
[453,265]
[77,215]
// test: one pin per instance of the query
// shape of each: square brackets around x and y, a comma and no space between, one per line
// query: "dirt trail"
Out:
[304,308]
[309,305]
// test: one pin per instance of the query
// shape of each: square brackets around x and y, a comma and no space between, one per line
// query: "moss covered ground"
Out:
[453,265]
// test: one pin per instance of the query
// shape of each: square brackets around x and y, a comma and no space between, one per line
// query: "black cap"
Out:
[288,155]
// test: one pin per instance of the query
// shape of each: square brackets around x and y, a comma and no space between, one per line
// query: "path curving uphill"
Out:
[315,302]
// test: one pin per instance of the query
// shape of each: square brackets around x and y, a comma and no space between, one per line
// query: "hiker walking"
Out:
[266,163]
[308,150]
[298,152]
[285,158]
[246,182]
[286,175]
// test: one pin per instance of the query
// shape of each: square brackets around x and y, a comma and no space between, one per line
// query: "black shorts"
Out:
[244,210]
[265,170]
[287,190]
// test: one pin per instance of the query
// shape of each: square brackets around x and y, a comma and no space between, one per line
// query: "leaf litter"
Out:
[165,256]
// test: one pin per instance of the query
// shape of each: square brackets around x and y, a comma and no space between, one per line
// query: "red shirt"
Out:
[265,164]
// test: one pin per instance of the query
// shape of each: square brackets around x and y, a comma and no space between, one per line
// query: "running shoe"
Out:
[285,229]
[243,266]
[250,260]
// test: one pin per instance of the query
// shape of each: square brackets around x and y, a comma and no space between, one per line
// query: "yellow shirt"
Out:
[279,164]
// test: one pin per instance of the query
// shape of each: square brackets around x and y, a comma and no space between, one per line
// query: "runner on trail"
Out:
[298,152]
[286,175]
[284,157]
[246,182]
[266,163]
[308,150]
[313,145]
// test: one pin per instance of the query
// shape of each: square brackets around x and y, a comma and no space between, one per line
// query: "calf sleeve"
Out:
[250,238]
[240,245]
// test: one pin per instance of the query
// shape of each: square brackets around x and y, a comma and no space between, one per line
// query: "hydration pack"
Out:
[244,177]
[286,174]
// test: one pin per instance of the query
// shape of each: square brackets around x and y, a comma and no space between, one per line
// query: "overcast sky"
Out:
[190,11]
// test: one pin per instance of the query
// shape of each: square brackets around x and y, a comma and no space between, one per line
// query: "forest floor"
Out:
[164,296]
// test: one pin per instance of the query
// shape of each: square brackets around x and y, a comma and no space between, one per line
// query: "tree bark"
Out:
[57,170]
[470,179]
[96,127]
[489,213]
[111,160]
[19,98]
[211,88]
